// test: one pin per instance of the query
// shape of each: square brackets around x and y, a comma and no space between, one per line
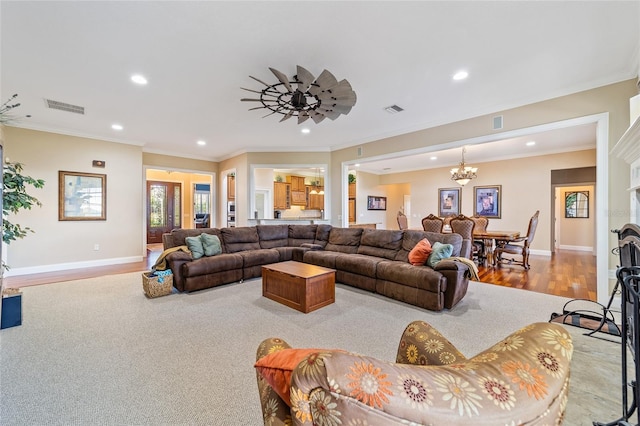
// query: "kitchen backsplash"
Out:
[296,212]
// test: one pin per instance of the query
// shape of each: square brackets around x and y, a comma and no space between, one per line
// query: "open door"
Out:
[163,209]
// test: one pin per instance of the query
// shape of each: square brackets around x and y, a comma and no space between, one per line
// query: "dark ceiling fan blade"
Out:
[259,81]
[251,90]
[324,81]
[260,107]
[283,78]
[302,117]
[250,100]
[304,77]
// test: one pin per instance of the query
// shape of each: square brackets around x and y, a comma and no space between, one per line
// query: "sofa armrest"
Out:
[175,261]
[274,410]
[311,246]
[457,275]
[298,252]
[522,379]
[421,344]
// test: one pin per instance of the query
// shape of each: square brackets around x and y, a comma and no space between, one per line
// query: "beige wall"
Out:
[612,99]
[56,243]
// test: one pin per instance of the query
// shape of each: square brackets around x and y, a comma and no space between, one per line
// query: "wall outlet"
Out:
[96,247]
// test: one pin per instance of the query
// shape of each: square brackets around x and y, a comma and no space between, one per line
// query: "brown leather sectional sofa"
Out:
[371,259]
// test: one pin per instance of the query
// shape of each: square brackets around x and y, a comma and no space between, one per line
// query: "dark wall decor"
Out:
[576,204]
[376,203]
[488,201]
[448,202]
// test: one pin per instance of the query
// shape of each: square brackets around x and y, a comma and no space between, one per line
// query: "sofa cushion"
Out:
[454,239]
[273,235]
[358,264]
[420,253]
[211,244]
[259,257]
[344,240]
[240,239]
[322,234]
[211,265]
[411,237]
[301,234]
[380,243]
[195,246]
[440,251]
[321,258]
[179,235]
[421,277]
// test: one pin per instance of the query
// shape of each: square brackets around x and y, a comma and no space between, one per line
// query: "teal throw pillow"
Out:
[195,247]
[211,244]
[440,251]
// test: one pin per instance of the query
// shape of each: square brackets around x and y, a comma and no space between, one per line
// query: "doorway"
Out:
[163,209]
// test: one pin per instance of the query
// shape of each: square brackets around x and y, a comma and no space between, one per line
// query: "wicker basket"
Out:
[154,288]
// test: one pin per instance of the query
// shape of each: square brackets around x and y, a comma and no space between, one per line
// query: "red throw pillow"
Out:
[276,368]
[420,253]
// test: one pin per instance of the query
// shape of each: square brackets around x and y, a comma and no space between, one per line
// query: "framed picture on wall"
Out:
[376,203]
[576,204]
[487,201]
[448,202]
[82,196]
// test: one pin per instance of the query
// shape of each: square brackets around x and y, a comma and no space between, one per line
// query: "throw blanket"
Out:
[473,269]
[161,263]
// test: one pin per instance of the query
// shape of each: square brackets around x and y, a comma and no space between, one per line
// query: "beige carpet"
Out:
[98,352]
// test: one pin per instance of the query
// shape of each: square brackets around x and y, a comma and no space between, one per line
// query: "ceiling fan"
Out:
[305,96]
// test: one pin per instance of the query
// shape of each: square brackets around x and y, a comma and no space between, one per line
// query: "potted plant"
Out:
[14,199]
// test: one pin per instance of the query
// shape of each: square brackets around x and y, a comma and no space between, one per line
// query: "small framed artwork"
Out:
[488,201]
[82,196]
[576,204]
[376,203]
[448,202]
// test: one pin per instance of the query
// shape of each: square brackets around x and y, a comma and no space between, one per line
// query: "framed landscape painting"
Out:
[82,196]
[488,201]
[448,202]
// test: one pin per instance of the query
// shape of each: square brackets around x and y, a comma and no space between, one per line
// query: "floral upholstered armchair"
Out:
[521,380]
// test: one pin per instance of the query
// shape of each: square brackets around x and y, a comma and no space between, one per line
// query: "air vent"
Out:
[62,106]
[497,122]
[393,109]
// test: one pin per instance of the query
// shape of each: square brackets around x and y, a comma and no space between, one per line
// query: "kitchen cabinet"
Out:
[282,195]
[352,210]
[352,190]
[298,194]
[315,201]
[231,187]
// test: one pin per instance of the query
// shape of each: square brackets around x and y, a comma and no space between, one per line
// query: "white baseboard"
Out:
[577,248]
[541,252]
[74,265]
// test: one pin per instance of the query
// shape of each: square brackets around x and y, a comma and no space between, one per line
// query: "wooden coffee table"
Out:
[298,285]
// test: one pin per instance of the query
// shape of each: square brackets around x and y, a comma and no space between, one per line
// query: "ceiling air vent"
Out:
[62,106]
[393,109]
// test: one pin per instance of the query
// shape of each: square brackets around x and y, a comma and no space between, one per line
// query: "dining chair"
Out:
[482,222]
[432,223]
[519,246]
[464,226]
[402,220]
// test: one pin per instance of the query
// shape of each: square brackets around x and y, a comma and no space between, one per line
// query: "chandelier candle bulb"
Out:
[463,173]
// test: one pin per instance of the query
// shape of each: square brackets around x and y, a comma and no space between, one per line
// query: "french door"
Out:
[163,209]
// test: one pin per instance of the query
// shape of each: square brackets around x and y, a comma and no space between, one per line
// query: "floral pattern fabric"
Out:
[521,380]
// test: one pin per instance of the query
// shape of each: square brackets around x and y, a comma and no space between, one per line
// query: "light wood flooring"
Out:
[567,273]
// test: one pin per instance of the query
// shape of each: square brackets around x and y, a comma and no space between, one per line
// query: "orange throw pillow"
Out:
[276,368]
[420,253]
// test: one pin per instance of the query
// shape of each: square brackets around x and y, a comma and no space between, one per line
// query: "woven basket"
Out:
[153,288]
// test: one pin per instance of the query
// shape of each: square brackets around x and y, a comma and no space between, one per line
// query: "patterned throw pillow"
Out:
[211,244]
[440,252]
[420,252]
[195,246]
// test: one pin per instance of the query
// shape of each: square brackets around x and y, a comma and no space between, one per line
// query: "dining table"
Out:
[489,239]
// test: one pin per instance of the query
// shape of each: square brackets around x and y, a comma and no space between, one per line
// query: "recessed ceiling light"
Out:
[531,143]
[305,131]
[460,75]
[201,143]
[117,126]
[433,158]
[357,165]
[138,79]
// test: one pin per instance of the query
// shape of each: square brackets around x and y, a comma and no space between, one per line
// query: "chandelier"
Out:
[316,189]
[305,96]
[463,173]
